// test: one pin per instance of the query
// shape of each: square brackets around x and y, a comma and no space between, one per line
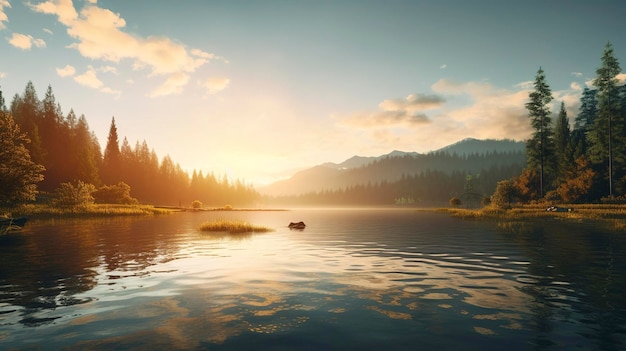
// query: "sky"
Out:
[256,90]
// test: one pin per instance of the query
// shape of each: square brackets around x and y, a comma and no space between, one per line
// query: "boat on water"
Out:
[11,224]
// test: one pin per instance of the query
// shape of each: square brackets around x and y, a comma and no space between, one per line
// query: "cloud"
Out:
[215,84]
[25,42]
[89,79]
[577,74]
[444,66]
[66,71]
[491,112]
[575,86]
[100,35]
[173,85]
[3,15]
[2,74]
[48,31]
[388,119]
[412,103]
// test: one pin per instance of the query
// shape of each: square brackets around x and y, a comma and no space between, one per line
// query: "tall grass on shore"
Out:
[614,215]
[232,227]
[93,210]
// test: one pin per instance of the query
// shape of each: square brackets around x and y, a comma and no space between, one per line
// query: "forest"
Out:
[417,180]
[72,156]
[586,164]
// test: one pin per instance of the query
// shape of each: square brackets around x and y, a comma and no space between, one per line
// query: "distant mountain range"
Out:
[392,166]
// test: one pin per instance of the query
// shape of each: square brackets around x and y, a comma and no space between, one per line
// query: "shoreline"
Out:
[611,214]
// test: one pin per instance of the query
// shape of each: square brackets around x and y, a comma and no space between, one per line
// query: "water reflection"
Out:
[352,279]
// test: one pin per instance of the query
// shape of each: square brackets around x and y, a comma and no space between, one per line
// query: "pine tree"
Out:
[607,137]
[112,157]
[540,147]
[562,140]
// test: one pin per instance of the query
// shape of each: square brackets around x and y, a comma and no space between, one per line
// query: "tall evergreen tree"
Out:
[3,107]
[540,147]
[607,137]
[112,157]
[562,143]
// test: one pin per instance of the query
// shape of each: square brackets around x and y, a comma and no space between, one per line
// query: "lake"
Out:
[354,279]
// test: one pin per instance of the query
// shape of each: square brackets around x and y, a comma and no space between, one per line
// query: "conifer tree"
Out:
[562,146]
[112,157]
[607,137]
[540,147]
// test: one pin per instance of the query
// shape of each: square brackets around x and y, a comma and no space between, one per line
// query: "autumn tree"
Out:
[19,175]
[607,136]
[577,182]
[540,147]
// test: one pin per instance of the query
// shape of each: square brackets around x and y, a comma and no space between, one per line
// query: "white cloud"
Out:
[444,66]
[449,112]
[525,85]
[215,84]
[173,85]
[100,35]
[575,86]
[25,42]
[621,78]
[89,79]
[2,74]
[108,90]
[48,31]
[412,103]
[577,74]
[3,15]
[66,71]
[108,69]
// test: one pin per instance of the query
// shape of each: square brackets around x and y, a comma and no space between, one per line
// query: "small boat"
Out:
[297,225]
[10,224]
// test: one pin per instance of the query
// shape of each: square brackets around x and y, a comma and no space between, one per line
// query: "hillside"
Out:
[468,155]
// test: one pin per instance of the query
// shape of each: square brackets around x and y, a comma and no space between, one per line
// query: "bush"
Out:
[196,204]
[455,202]
[505,194]
[71,195]
[115,194]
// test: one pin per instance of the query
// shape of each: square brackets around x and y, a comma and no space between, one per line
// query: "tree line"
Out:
[426,180]
[42,149]
[583,164]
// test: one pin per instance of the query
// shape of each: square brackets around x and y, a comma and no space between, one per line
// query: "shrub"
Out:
[78,194]
[115,194]
[506,193]
[196,204]
[455,202]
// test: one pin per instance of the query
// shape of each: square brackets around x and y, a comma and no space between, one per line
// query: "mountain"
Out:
[360,161]
[476,146]
[470,155]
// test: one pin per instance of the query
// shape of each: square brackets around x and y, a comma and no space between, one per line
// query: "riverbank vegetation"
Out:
[92,210]
[232,227]
[611,215]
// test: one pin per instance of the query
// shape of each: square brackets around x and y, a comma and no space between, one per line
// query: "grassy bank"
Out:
[232,227]
[614,215]
[94,210]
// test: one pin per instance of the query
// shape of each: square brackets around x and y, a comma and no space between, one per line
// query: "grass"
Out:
[94,210]
[614,215]
[232,227]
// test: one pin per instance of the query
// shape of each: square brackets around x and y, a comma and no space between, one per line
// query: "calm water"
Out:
[353,279]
